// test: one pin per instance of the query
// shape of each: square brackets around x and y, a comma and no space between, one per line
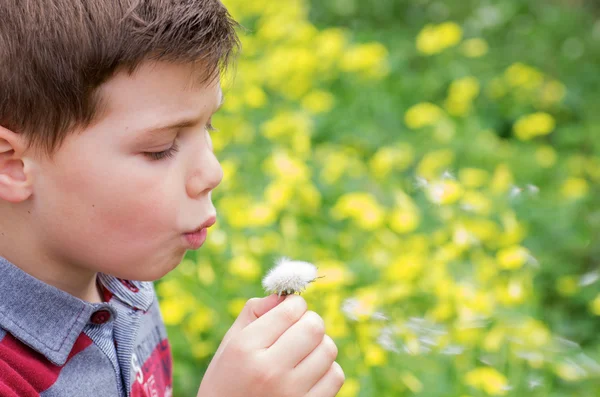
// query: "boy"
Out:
[106,174]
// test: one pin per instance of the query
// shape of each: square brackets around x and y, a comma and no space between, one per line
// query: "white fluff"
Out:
[288,277]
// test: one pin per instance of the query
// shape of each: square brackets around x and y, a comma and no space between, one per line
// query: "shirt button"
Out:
[100,317]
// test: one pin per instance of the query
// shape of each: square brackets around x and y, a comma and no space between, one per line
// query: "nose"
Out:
[206,174]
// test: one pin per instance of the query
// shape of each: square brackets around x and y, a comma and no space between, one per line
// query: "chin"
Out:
[158,271]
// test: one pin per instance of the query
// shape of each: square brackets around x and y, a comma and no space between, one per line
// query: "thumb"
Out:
[254,308]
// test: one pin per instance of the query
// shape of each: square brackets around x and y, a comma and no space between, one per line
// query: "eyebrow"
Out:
[182,123]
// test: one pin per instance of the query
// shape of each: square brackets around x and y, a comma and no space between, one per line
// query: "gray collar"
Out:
[50,320]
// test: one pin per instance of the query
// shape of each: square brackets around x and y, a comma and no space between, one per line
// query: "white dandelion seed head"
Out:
[288,277]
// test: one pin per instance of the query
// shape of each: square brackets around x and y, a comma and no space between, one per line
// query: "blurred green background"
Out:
[439,161]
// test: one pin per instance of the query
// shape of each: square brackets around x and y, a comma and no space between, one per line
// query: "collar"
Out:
[50,320]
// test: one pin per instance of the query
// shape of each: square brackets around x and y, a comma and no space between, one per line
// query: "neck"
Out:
[20,246]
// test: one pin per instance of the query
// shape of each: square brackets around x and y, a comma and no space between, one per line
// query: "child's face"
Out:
[104,205]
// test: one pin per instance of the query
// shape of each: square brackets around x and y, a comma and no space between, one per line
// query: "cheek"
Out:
[114,198]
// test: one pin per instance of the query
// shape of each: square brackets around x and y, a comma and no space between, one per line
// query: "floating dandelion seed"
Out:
[453,350]
[386,340]
[289,277]
[380,316]
[517,191]
[421,182]
[447,175]
[589,278]
[533,189]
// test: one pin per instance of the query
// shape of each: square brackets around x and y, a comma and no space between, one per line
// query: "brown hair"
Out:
[54,54]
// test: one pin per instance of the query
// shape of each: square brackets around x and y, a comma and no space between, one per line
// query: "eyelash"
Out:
[170,152]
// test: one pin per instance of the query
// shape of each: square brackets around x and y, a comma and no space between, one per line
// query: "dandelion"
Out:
[289,277]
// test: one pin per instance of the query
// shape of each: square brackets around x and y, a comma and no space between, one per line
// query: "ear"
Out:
[16,180]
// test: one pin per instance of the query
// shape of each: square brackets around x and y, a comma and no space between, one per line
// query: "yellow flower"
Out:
[330,43]
[235,306]
[522,75]
[534,333]
[174,310]
[375,356]
[335,275]
[203,319]
[405,268]
[205,273]
[245,267]
[595,305]
[474,48]
[255,97]
[309,196]
[411,381]
[494,339]
[569,371]
[476,202]
[552,93]
[286,125]
[433,163]
[202,349]
[433,39]
[473,177]
[362,207]
[404,220]
[461,94]
[350,388]
[278,193]
[394,158]
[368,59]
[511,293]
[318,101]
[488,380]
[444,192]
[512,258]
[567,285]
[260,214]
[545,156]
[284,166]
[533,125]
[592,168]
[338,162]
[575,188]
[502,180]
[422,115]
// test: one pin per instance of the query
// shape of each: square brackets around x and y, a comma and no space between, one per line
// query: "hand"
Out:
[275,348]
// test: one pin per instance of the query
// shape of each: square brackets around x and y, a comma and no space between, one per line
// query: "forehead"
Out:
[157,90]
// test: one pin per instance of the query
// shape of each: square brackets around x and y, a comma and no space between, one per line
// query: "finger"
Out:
[316,365]
[298,341]
[330,384]
[254,308]
[263,332]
